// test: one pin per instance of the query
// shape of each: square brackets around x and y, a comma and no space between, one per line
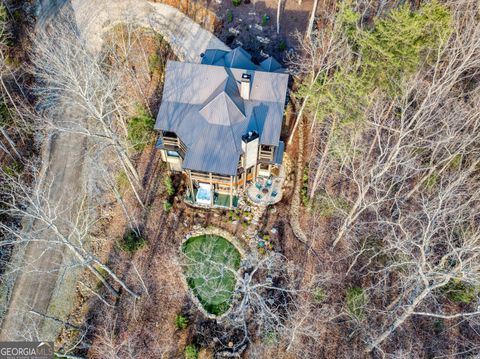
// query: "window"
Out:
[172,154]
[169,134]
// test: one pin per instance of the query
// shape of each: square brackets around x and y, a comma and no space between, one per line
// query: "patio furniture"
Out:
[258,185]
[269,183]
[265,190]
[274,194]
[259,196]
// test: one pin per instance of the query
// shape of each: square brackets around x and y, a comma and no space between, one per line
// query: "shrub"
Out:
[13,169]
[6,118]
[132,241]
[154,62]
[168,182]
[432,181]
[270,337]
[122,180]
[304,193]
[191,352]
[140,129]
[265,19]
[181,322]
[229,16]
[460,292]
[167,206]
[282,46]
[356,300]
[318,295]
[236,2]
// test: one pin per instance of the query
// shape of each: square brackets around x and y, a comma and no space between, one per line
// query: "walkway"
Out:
[187,38]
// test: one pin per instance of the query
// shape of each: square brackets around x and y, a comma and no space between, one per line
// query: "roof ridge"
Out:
[229,120]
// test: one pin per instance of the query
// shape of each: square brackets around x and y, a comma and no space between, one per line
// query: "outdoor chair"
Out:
[274,194]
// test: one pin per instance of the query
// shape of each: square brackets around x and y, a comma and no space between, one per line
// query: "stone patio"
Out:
[266,191]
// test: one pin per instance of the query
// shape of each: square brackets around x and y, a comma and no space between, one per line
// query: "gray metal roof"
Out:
[270,64]
[201,103]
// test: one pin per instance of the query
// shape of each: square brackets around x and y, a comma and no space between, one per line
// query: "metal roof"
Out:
[270,64]
[201,103]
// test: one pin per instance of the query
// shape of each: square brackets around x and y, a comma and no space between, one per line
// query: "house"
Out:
[220,121]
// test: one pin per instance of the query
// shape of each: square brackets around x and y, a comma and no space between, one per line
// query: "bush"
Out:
[191,352]
[270,338]
[132,241]
[229,16]
[265,19]
[13,169]
[318,295]
[356,300]
[282,46]
[181,322]
[460,292]
[154,62]
[168,182]
[304,193]
[236,2]
[140,129]
[167,206]
[432,181]
[122,180]
[6,118]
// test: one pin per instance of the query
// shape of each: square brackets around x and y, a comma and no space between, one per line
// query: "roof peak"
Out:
[222,111]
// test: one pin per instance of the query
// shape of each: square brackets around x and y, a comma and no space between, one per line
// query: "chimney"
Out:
[245,86]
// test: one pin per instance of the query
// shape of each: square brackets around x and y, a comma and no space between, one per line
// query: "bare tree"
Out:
[55,225]
[266,302]
[410,192]
[75,83]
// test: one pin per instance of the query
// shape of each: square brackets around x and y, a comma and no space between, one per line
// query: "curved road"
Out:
[43,286]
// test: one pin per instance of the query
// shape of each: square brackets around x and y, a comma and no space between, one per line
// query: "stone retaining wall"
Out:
[198,11]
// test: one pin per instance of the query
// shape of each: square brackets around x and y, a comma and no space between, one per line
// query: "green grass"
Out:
[210,268]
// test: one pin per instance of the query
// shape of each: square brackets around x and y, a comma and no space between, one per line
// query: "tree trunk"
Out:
[278,15]
[312,19]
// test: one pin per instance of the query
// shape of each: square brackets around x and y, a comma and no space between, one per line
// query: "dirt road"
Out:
[44,286]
